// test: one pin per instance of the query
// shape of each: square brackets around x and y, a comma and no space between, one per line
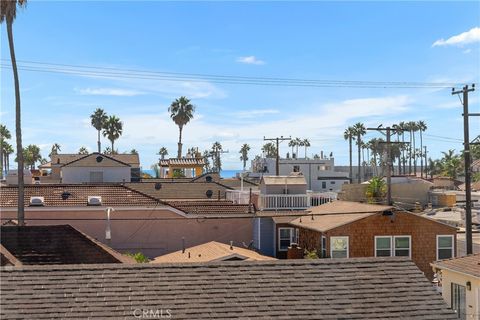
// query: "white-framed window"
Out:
[339,247]
[324,247]
[445,247]
[383,246]
[396,246]
[285,238]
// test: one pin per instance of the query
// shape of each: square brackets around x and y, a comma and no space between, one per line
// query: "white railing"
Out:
[237,196]
[294,201]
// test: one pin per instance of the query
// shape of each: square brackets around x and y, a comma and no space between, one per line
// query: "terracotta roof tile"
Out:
[131,159]
[373,288]
[182,161]
[112,195]
[180,190]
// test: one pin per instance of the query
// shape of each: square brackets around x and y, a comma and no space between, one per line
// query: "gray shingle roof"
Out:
[365,288]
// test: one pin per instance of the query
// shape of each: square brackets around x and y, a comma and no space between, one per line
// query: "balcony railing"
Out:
[282,201]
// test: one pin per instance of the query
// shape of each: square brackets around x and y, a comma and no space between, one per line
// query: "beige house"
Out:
[459,281]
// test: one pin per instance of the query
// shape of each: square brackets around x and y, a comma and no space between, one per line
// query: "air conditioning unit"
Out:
[94,201]
[37,201]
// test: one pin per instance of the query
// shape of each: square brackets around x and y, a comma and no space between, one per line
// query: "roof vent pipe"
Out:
[108,230]
[183,244]
[231,245]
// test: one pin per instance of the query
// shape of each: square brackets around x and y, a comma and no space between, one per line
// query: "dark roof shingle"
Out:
[382,288]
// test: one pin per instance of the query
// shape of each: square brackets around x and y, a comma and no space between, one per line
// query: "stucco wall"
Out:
[362,233]
[472,296]
[154,237]
[82,174]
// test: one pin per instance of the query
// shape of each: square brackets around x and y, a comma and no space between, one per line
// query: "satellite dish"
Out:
[209,193]
[158,186]
[99,159]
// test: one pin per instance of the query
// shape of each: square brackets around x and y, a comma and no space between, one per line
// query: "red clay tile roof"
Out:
[180,190]
[97,160]
[182,162]
[55,244]
[112,195]
[131,159]
[469,264]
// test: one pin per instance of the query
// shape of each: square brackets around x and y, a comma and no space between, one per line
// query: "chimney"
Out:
[231,245]
[294,252]
[321,154]
[188,254]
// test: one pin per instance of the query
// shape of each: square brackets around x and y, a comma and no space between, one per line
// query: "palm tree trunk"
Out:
[403,152]
[305,152]
[292,151]
[351,167]
[421,154]
[98,143]
[359,142]
[179,153]
[410,154]
[414,155]
[18,128]
[112,146]
[1,158]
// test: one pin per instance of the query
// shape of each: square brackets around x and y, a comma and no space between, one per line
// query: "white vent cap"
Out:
[94,201]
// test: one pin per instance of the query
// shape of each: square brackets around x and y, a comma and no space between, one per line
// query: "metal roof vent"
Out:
[158,186]
[99,159]
[37,201]
[209,193]
[94,200]
[208,178]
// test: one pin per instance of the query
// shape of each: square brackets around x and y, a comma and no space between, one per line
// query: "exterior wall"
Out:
[280,189]
[362,233]
[264,236]
[281,254]
[473,296]
[82,174]
[151,237]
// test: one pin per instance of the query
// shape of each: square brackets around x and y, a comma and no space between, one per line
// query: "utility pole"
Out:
[278,140]
[467,157]
[389,159]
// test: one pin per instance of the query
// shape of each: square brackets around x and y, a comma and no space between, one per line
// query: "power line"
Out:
[83,70]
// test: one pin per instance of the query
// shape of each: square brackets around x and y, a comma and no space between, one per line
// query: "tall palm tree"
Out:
[244,154]
[402,127]
[113,130]
[216,153]
[414,128]
[82,150]
[55,148]
[292,143]
[270,150]
[98,120]
[422,127]
[4,135]
[7,151]
[349,135]
[34,155]
[306,144]
[360,131]
[298,143]
[8,12]
[181,112]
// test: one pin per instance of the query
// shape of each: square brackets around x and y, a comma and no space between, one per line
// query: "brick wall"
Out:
[362,233]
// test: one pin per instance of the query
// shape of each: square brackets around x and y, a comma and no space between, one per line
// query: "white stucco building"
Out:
[319,174]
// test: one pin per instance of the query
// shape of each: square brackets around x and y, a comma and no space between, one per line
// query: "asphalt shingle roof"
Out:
[180,190]
[381,288]
[112,195]
[468,265]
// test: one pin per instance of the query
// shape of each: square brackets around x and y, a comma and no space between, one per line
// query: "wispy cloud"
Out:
[254,113]
[470,36]
[250,60]
[109,92]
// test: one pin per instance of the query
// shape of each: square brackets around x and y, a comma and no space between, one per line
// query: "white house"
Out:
[95,168]
[320,174]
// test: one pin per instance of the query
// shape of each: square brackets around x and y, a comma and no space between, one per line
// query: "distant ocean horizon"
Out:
[223,173]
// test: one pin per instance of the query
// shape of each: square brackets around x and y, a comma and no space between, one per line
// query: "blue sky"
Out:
[372,41]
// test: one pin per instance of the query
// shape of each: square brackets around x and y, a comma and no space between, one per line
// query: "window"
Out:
[285,238]
[397,246]
[332,182]
[296,168]
[383,246]
[458,300]
[445,247]
[402,246]
[324,247]
[324,184]
[339,247]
